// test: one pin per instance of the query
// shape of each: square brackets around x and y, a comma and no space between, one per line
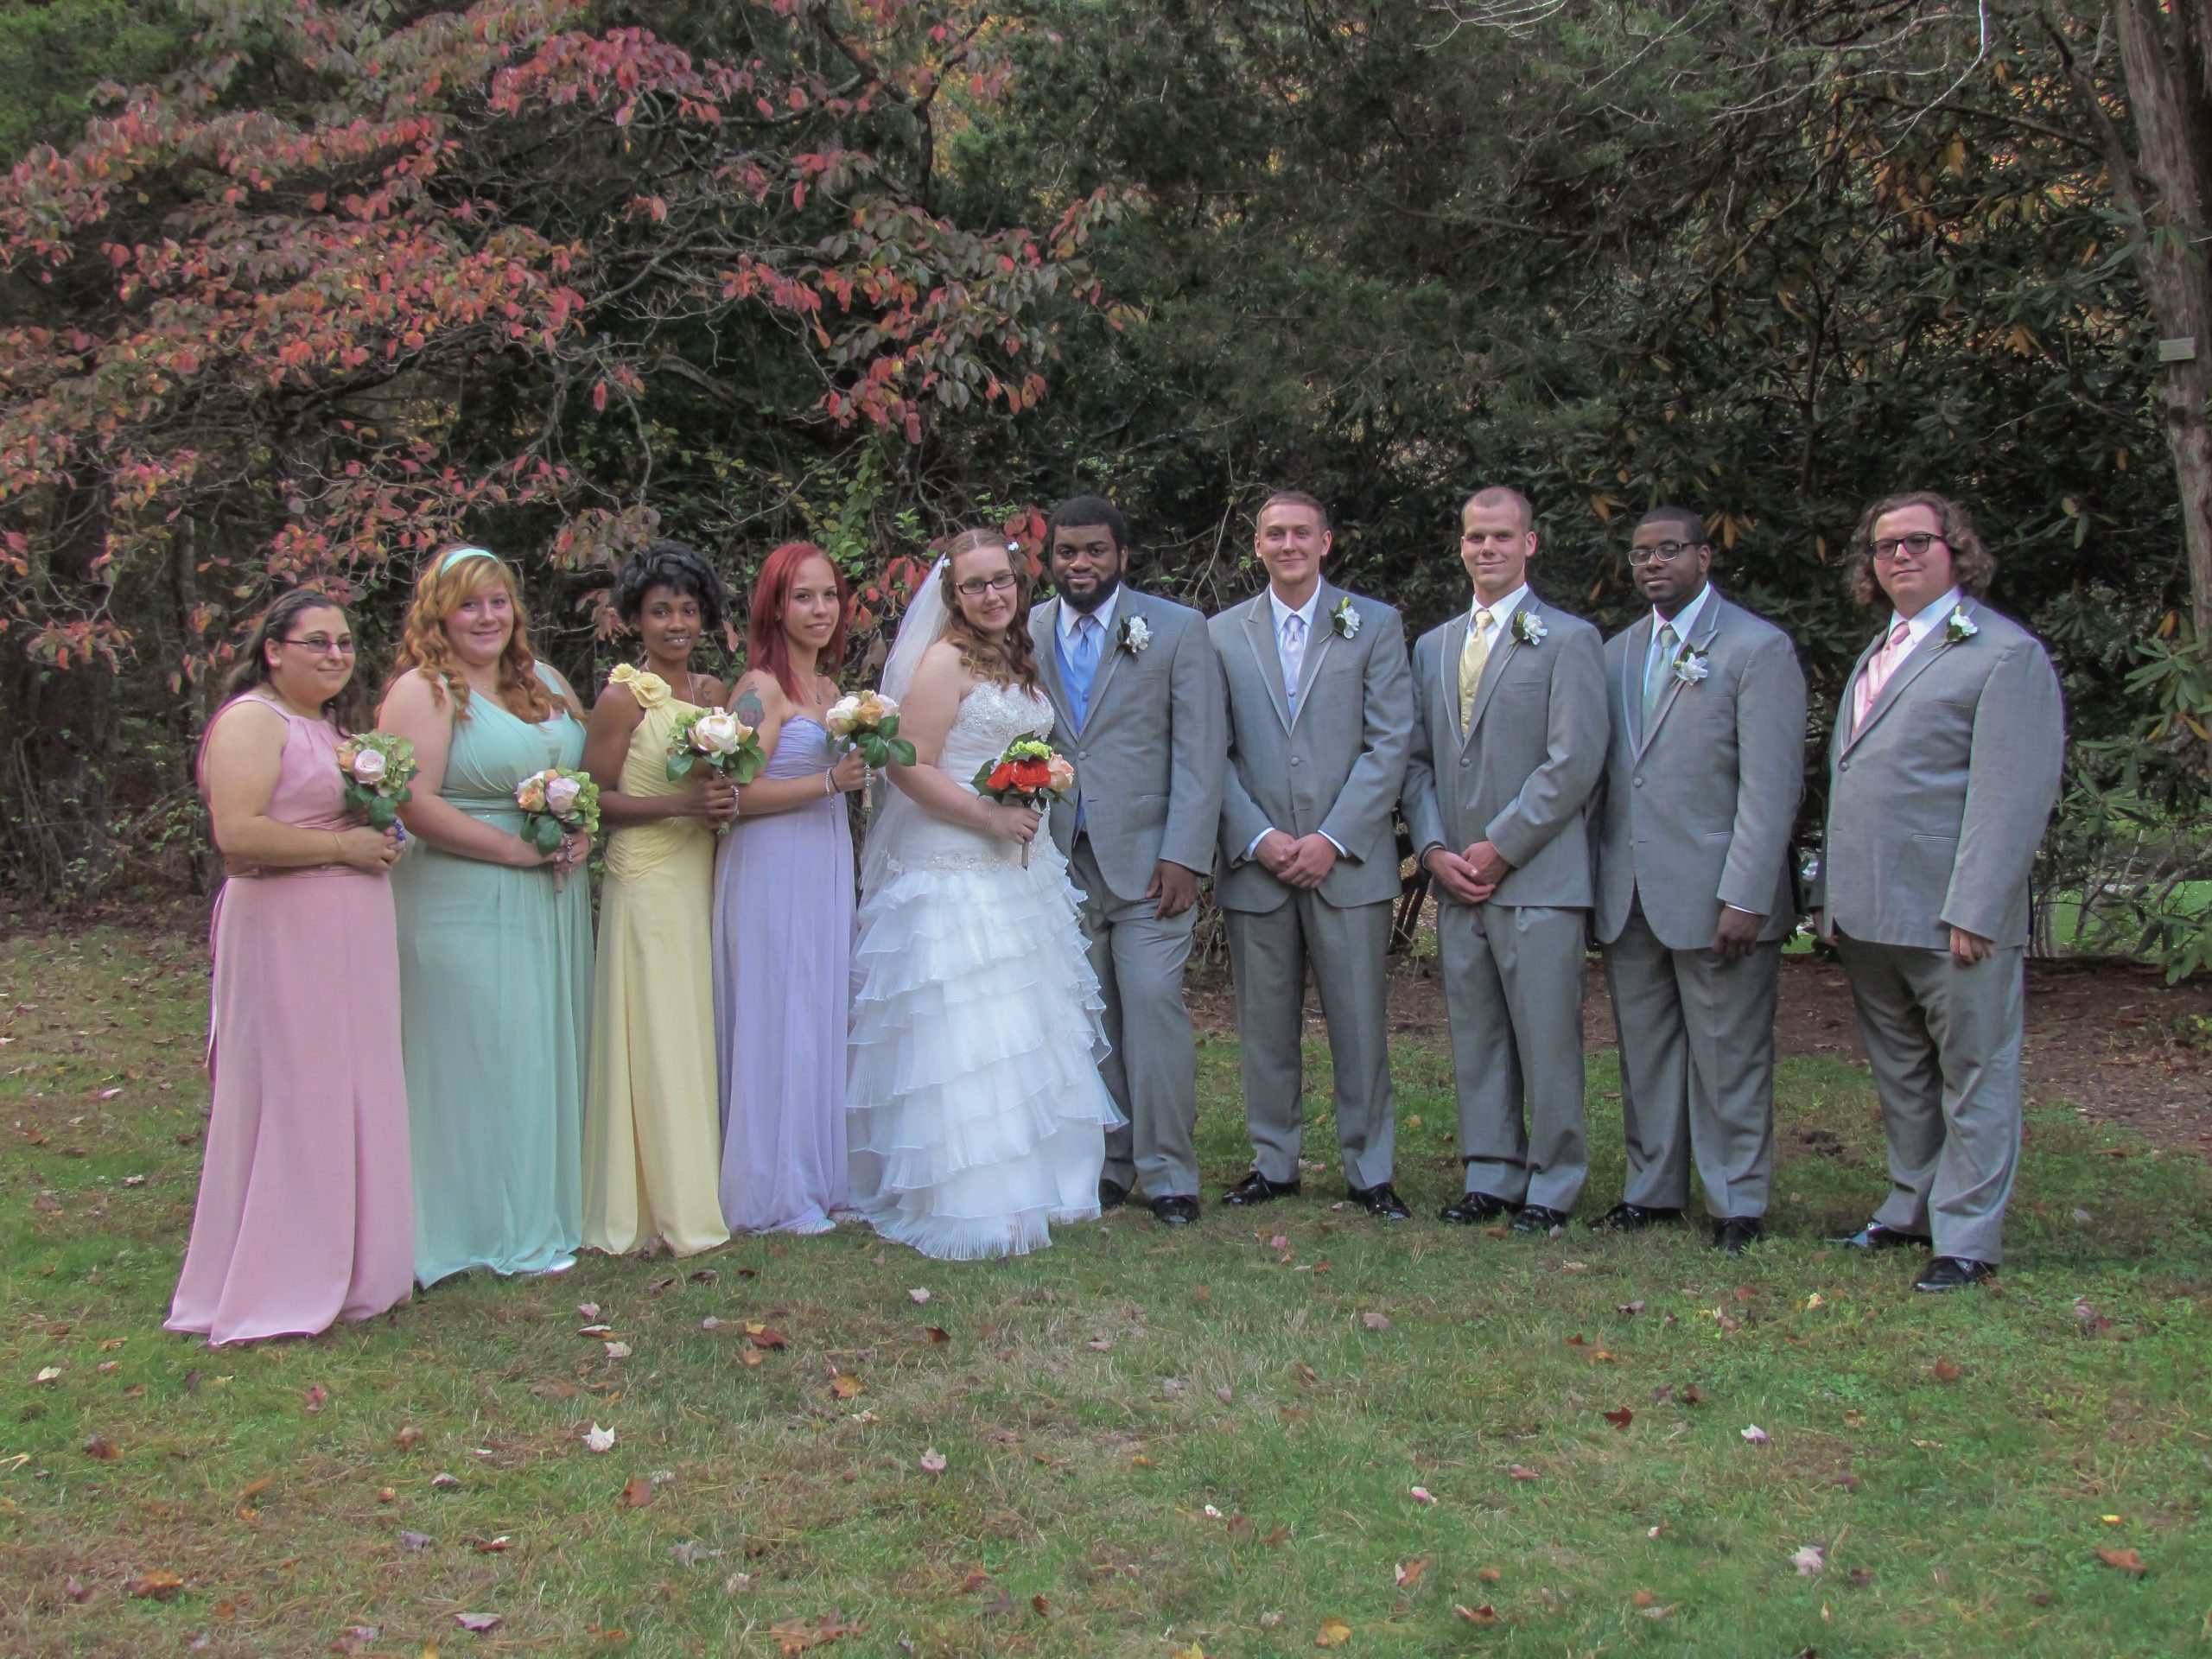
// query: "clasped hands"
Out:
[1471,876]
[1300,862]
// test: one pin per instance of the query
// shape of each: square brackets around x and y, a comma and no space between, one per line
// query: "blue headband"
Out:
[460,553]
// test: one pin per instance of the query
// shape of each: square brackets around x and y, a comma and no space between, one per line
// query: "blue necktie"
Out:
[1081,668]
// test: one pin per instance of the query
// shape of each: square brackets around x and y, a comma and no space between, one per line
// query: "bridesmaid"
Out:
[783,913]
[495,956]
[650,1137]
[304,1212]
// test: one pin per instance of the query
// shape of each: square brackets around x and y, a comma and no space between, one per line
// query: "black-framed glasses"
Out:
[977,586]
[1659,553]
[323,645]
[1917,543]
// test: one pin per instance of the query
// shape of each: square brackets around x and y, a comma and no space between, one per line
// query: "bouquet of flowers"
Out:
[717,740]
[556,802]
[869,721]
[1028,774]
[377,767]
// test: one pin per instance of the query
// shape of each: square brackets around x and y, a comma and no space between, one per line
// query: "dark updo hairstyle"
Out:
[348,710]
[678,567]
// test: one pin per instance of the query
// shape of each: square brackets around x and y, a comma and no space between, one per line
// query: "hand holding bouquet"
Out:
[1029,774]
[377,767]
[556,804]
[869,721]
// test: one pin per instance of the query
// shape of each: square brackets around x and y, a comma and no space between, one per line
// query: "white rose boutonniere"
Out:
[1529,627]
[1691,667]
[1959,627]
[1136,635]
[1343,619]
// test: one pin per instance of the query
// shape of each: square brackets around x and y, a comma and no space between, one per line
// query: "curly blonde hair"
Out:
[1973,567]
[1009,661]
[444,586]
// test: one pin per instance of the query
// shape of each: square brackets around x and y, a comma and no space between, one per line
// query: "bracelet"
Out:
[736,804]
[830,782]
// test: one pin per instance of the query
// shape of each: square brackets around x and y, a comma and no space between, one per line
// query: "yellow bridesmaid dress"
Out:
[652,1118]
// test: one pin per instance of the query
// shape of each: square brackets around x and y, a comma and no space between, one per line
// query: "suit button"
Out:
[1843,766]
[1465,762]
[1297,759]
[1639,783]
[1083,755]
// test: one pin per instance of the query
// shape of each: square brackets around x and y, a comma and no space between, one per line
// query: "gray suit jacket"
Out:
[1336,769]
[1148,754]
[1937,802]
[1522,775]
[1698,814]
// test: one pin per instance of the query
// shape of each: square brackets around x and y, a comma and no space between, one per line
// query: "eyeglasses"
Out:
[977,586]
[1917,543]
[321,645]
[1659,553]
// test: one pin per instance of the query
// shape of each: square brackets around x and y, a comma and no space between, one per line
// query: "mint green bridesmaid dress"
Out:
[495,992]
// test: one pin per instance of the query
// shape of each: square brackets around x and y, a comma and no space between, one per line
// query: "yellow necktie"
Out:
[1473,656]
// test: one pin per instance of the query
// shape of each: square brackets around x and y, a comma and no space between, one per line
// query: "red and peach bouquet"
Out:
[1030,773]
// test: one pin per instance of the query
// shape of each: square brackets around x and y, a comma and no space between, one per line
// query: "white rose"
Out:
[843,714]
[717,733]
[560,796]
[368,767]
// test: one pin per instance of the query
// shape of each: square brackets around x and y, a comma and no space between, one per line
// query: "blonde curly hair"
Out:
[445,585]
[1012,661]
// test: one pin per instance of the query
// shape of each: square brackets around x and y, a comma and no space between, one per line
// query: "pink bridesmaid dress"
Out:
[306,1212]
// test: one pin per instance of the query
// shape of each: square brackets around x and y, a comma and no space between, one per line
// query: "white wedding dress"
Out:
[977,1115]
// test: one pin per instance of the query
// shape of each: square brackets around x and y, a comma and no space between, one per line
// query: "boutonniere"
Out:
[1343,619]
[1528,629]
[1960,627]
[1691,666]
[1136,635]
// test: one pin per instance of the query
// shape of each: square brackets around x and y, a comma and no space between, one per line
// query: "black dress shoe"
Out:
[1626,1217]
[1538,1218]
[1953,1273]
[1733,1235]
[1381,1199]
[1112,1195]
[1473,1209]
[1256,1188]
[1175,1210]
[1881,1236]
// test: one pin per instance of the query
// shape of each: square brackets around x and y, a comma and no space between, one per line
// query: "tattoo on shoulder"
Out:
[747,706]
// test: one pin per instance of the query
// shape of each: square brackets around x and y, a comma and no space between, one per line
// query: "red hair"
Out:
[765,645]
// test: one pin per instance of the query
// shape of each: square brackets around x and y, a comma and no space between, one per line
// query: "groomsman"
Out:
[1317,716]
[1137,694]
[1508,743]
[1942,772]
[1702,781]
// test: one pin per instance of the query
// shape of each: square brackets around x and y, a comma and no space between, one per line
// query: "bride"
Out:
[977,1113]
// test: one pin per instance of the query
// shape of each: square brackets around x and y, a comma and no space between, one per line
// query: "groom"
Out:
[1137,699]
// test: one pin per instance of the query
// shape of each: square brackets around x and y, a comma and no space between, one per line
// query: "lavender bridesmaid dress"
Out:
[306,1212]
[783,953]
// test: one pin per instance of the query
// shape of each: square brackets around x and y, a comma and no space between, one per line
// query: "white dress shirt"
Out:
[1917,629]
[1683,622]
[1071,619]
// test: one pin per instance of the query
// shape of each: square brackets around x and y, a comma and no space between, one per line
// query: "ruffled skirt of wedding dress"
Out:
[977,1112]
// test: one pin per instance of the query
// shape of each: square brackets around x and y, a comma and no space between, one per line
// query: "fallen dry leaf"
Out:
[1809,1561]
[160,1584]
[1489,1574]
[1421,1495]
[797,1635]
[1194,1651]
[637,1492]
[937,1333]
[764,1338]
[1620,1419]
[415,1539]
[1270,1621]
[409,1434]
[1522,1472]
[1642,1599]
[710,1323]
[2126,1560]
[491,1546]
[1408,1572]
[917,1296]
[1755,1434]
[1375,1321]
[845,1385]
[313,1399]
[599,1440]
[1484,1614]
[1947,1372]
[479,1624]
[751,1356]
[932,1460]
[587,1310]
[101,1447]
[76,1592]
[49,1374]
[1333,1633]
[618,1351]
[444,1483]
[1692,1394]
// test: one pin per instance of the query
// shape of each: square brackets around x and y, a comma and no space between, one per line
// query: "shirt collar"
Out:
[1072,619]
[1502,611]
[1685,621]
[1917,629]
[1303,613]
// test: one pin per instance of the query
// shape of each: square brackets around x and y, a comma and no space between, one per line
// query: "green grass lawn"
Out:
[1152,1445]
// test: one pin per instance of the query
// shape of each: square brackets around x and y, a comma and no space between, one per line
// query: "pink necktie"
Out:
[1879,667]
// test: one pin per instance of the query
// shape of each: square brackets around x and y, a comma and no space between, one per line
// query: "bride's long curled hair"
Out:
[1011,660]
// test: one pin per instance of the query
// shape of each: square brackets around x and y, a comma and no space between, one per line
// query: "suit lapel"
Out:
[1500,653]
[1045,636]
[1708,623]
[1455,641]
[1260,637]
[1934,643]
[1634,658]
[1318,638]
